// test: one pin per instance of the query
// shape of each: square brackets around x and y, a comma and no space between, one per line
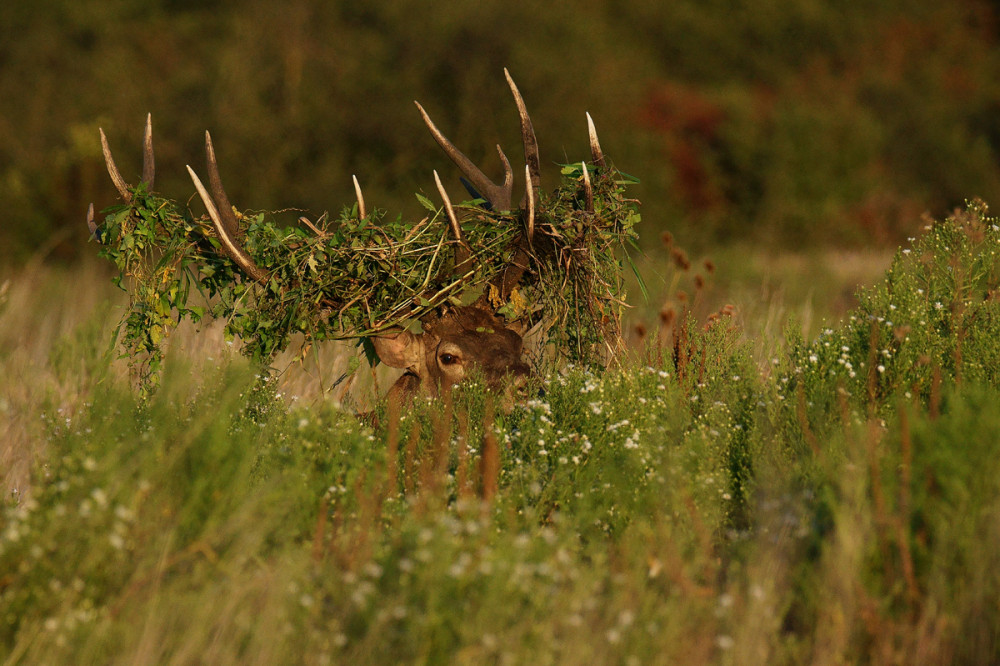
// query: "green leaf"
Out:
[626,179]
[638,278]
[426,203]
[368,347]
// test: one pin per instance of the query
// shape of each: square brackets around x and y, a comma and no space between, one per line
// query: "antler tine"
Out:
[595,146]
[498,196]
[116,176]
[587,189]
[148,163]
[512,273]
[225,209]
[508,175]
[531,203]
[229,246]
[527,133]
[361,199]
[463,253]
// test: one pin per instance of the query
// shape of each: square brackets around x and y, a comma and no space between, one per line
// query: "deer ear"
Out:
[403,350]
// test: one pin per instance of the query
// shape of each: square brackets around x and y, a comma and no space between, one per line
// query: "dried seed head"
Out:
[680,259]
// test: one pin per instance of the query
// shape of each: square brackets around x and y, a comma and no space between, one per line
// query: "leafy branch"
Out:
[356,278]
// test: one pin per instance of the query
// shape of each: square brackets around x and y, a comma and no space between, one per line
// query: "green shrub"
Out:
[934,318]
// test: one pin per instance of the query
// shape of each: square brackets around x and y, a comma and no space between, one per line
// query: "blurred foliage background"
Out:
[787,123]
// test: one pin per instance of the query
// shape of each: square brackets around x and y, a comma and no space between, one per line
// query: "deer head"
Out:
[446,342]
[454,344]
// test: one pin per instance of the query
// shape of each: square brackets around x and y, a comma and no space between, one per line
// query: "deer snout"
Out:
[519,374]
[507,370]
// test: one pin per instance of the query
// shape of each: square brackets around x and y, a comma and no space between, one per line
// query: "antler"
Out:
[514,270]
[361,199]
[595,146]
[148,163]
[499,196]
[527,138]
[463,253]
[223,218]
[530,226]
[148,171]
[225,209]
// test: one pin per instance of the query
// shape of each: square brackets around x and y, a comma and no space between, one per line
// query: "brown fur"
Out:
[454,343]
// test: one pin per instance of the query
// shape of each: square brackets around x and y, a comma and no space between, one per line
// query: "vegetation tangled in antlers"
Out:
[364,274]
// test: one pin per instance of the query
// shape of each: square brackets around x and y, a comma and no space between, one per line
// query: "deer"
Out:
[455,342]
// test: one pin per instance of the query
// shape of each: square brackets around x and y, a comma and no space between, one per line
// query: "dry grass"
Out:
[768,292]
[41,308]
[47,312]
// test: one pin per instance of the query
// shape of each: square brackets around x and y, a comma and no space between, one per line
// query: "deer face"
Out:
[459,342]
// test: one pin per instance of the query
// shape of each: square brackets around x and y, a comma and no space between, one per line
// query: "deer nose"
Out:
[515,380]
[520,372]
[516,377]
[508,372]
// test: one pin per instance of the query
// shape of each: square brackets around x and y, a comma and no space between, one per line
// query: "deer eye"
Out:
[448,359]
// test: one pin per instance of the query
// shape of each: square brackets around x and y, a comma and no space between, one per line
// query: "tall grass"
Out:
[684,507]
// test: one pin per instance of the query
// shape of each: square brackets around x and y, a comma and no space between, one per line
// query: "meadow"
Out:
[807,477]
